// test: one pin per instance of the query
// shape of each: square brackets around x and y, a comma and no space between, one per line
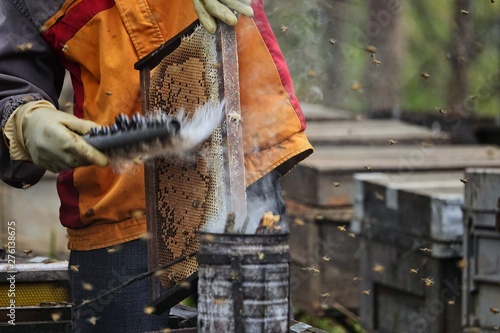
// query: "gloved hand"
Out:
[209,10]
[38,132]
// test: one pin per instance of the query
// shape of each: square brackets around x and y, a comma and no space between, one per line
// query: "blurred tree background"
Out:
[386,58]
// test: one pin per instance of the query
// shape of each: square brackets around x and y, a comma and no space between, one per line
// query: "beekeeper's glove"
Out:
[38,132]
[209,10]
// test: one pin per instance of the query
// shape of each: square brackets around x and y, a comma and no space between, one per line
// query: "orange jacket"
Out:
[98,42]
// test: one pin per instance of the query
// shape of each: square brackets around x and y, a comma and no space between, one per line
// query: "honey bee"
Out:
[24,47]
[425,249]
[441,110]
[149,310]
[56,316]
[461,263]
[65,48]
[352,235]
[425,75]
[464,12]
[283,28]
[92,320]
[298,222]
[325,259]
[185,284]
[473,97]
[27,252]
[378,268]
[26,186]
[325,295]
[74,268]
[376,62]
[392,142]
[495,311]
[261,255]
[336,184]
[429,282]
[166,330]
[332,41]
[313,270]
[357,279]
[366,292]
[356,87]
[341,228]
[379,196]
[368,167]
[464,180]
[87,286]
[371,49]
[312,73]
[413,271]
[451,302]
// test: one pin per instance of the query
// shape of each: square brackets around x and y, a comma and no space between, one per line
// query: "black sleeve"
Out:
[28,71]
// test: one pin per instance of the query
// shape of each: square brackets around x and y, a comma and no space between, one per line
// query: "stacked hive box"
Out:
[411,232]
[319,192]
[481,279]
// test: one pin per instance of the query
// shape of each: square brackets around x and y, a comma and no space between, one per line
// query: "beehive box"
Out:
[370,132]
[323,186]
[411,227]
[39,290]
[481,280]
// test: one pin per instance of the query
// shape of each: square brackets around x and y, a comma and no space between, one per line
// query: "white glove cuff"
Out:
[13,130]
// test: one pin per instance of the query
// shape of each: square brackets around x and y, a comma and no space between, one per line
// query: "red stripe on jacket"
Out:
[269,38]
[56,37]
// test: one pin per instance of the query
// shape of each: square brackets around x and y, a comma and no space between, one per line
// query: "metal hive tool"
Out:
[187,195]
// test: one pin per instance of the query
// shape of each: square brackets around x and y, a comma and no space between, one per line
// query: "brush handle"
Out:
[127,132]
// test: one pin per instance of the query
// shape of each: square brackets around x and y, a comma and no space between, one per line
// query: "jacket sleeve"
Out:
[28,71]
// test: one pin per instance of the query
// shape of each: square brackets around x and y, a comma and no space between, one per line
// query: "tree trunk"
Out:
[383,73]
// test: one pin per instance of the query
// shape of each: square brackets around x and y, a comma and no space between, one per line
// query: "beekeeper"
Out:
[98,42]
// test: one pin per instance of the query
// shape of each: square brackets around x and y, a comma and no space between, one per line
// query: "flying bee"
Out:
[464,180]
[325,295]
[495,311]
[332,41]
[92,320]
[378,268]
[336,184]
[313,270]
[357,279]
[392,142]
[74,268]
[441,110]
[284,28]
[341,228]
[379,196]
[464,12]
[325,259]
[429,282]
[149,310]
[413,271]
[87,286]
[371,49]
[26,186]
[352,235]
[368,167]
[65,48]
[366,292]
[356,87]
[425,75]
[298,222]
[425,249]
[56,316]
[28,252]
